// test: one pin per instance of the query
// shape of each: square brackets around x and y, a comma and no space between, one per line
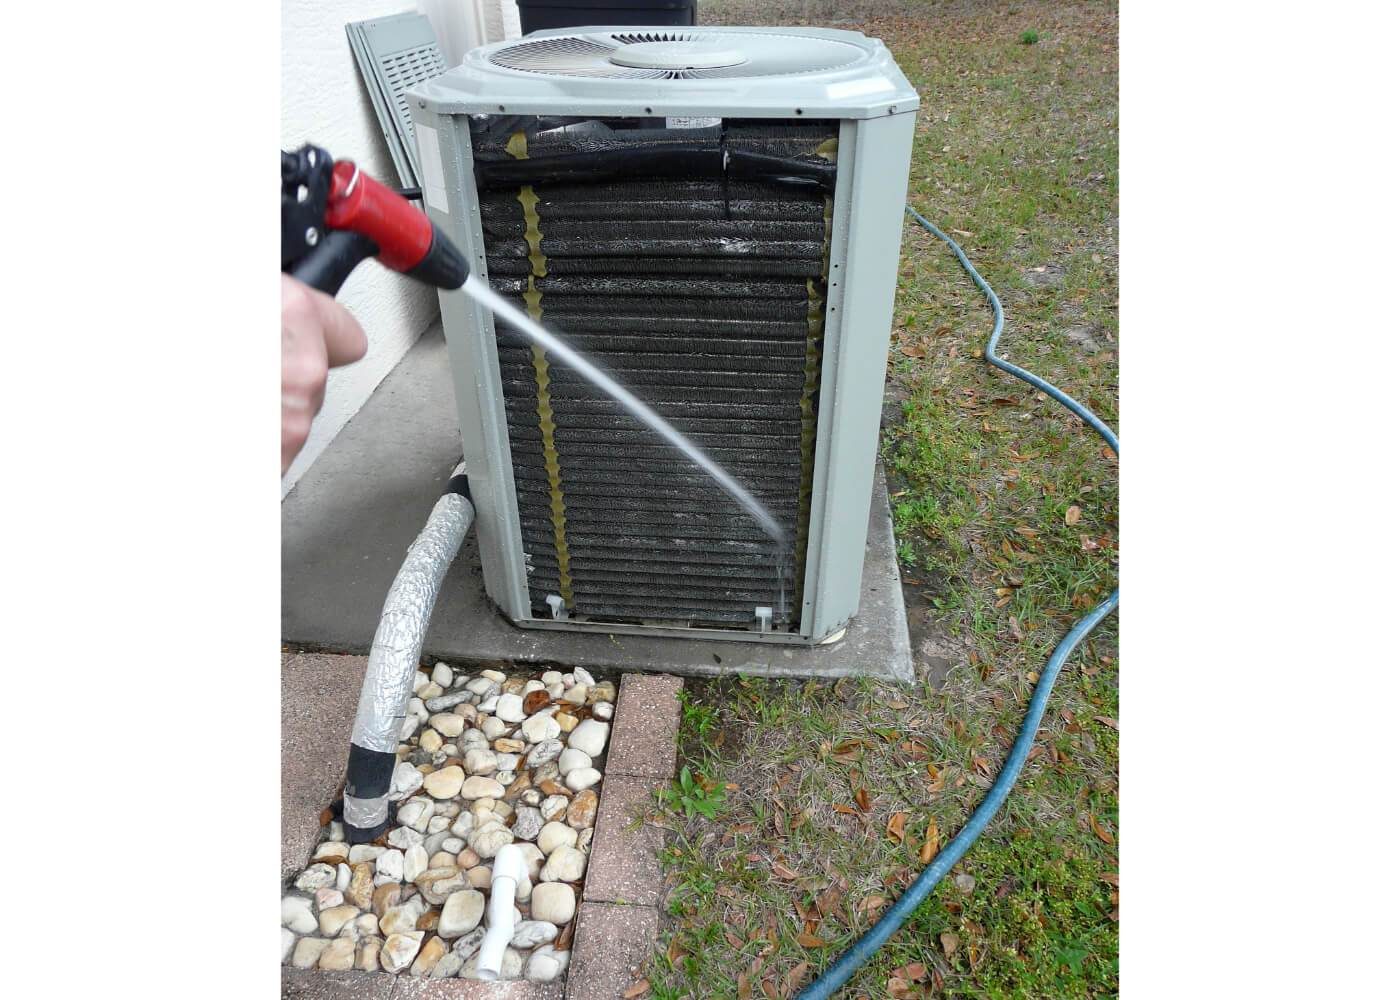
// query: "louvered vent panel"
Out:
[699,295]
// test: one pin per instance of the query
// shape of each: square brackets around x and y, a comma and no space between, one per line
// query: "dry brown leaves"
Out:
[930,847]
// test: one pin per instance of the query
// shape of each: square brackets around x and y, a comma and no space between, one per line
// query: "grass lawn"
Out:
[824,795]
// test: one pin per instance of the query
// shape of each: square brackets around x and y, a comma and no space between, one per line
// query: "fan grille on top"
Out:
[764,54]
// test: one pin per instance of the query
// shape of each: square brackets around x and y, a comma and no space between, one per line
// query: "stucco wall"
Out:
[323,101]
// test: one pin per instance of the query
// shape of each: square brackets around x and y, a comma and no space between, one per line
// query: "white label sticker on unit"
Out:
[430,163]
[684,122]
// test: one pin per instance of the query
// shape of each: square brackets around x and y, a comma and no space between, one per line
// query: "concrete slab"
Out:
[624,865]
[348,522]
[610,950]
[648,720]
[319,695]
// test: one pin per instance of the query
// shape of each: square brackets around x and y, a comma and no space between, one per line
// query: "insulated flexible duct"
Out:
[393,661]
[869,943]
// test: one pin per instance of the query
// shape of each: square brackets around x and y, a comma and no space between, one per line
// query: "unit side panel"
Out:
[450,200]
[865,259]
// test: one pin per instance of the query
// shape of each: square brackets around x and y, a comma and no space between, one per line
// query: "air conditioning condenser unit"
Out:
[714,216]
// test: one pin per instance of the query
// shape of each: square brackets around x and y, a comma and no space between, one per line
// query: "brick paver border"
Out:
[617,922]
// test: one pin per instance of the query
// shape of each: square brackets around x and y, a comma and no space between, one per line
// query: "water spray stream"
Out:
[504,309]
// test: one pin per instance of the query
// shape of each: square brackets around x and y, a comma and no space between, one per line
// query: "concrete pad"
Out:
[611,948]
[319,696]
[351,517]
[624,864]
[647,723]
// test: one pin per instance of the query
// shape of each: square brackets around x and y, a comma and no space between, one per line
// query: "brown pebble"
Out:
[504,745]
[582,810]
[429,920]
[551,787]
[361,891]
[385,896]
[534,701]
[517,787]
[468,858]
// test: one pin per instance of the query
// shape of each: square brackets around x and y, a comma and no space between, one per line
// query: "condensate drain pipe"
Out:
[393,661]
[509,876]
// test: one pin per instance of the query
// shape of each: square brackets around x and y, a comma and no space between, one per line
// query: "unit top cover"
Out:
[704,71]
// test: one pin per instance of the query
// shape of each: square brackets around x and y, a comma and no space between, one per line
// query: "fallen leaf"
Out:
[676,951]
[745,987]
[794,978]
[1072,515]
[930,847]
[911,350]
[899,988]
[845,810]
[949,941]
[894,829]
[863,799]
[734,941]
[1110,723]
[1027,532]
[640,987]
[1110,877]
[937,777]
[770,989]
[783,871]
[916,971]
[810,941]
[1099,831]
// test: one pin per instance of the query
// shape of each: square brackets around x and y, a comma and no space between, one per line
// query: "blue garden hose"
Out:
[859,953]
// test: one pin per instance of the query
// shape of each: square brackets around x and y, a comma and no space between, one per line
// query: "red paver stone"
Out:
[319,696]
[466,989]
[623,866]
[612,947]
[314,984]
[643,740]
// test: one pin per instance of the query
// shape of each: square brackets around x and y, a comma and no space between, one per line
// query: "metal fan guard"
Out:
[746,55]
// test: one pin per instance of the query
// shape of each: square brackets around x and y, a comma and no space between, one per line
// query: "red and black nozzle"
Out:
[334,216]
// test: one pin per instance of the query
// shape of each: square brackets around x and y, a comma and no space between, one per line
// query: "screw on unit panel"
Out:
[312,236]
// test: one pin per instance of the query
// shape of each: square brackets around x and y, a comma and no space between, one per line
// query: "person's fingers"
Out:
[345,338]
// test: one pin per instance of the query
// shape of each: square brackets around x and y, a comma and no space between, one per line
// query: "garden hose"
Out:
[859,953]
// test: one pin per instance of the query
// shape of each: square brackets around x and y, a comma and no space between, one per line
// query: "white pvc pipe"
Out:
[508,875]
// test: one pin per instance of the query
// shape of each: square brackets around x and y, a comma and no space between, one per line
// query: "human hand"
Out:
[317,335]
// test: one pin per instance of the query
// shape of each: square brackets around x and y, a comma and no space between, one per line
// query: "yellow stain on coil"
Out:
[534,306]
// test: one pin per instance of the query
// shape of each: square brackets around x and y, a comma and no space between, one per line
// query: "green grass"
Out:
[1005,512]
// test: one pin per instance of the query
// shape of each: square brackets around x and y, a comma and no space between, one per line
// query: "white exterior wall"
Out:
[324,102]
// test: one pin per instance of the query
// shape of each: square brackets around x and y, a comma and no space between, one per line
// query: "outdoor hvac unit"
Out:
[713,215]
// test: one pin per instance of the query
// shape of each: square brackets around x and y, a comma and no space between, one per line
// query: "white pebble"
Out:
[590,736]
[573,760]
[603,710]
[415,862]
[546,965]
[565,864]
[583,677]
[510,708]
[442,675]
[390,865]
[581,778]
[552,901]
[296,914]
[554,835]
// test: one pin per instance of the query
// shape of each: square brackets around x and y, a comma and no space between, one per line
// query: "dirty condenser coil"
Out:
[713,215]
